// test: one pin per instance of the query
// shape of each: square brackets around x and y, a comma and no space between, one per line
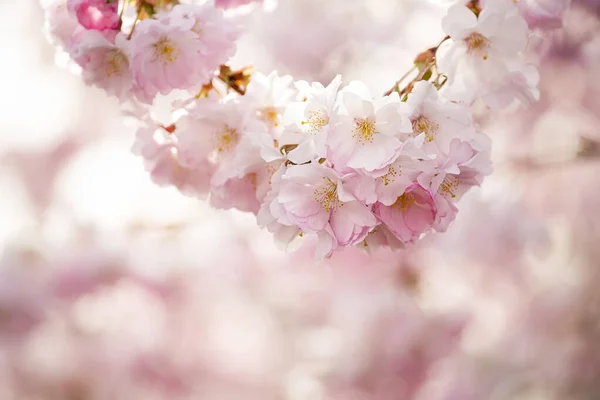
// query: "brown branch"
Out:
[424,62]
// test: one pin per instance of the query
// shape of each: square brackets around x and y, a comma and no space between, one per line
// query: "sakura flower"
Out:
[219,132]
[368,134]
[214,32]
[390,182]
[519,84]
[96,14]
[454,175]
[166,57]
[239,193]
[312,197]
[398,177]
[60,23]
[412,214]
[463,161]
[308,122]
[162,161]
[246,185]
[481,45]
[104,64]
[381,237]
[283,234]
[270,95]
[438,119]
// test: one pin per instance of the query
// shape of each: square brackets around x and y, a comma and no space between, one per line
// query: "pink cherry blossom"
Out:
[105,64]
[270,95]
[215,33]
[283,235]
[463,160]
[480,47]
[369,131]
[96,14]
[519,84]
[60,23]
[413,213]
[164,58]
[438,119]
[163,161]
[308,122]
[238,193]
[219,132]
[312,197]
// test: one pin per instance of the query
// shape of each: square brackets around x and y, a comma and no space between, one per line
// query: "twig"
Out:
[399,81]
[137,18]
[424,62]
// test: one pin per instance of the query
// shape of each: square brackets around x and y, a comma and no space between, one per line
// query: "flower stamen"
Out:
[164,50]
[316,120]
[226,139]
[424,125]
[364,130]
[449,186]
[327,195]
[478,44]
[116,62]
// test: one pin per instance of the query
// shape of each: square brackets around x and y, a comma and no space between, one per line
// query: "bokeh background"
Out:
[114,288]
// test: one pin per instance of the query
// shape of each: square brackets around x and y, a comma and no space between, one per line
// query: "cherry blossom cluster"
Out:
[159,52]
[336,163]
[482,54]
[339,164]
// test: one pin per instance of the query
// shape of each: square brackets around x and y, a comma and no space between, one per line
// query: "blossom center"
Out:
[198,29]
[165,50]
[227,138]
[116,62]
[405,201]
[269,115]
[449,186]
[478,44]
[424,125]
[391,175]
[252,178]
[364,130]
[327,195]
[316,121]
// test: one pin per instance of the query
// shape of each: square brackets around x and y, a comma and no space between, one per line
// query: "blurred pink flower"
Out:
[96,14]
[105,64]
[227,4]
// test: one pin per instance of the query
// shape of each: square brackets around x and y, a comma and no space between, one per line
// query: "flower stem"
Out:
[424,62]
[137,18]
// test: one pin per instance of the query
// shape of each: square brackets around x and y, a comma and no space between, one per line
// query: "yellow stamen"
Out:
[391,175]
[424,125]
[269,115]
[405,201]
[449,185]
[116,62]
[164,50]
[226,139]
[478,44]
[327,195]
[364,130]
[316,120]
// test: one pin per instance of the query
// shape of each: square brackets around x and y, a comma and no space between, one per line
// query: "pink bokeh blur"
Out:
[114,288]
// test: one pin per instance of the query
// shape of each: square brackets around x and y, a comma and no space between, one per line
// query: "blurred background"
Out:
[114,288]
